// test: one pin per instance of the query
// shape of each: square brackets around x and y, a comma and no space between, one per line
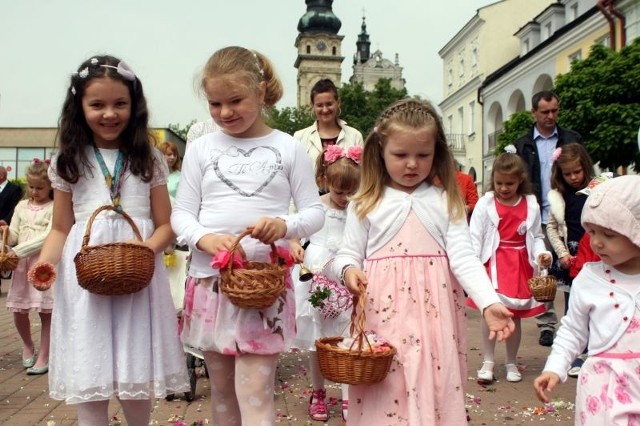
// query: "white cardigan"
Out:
[485,237]
[591,317]
[557,225]
[362,238]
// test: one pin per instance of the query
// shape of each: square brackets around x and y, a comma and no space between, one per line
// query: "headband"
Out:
[122,68]
[334,153]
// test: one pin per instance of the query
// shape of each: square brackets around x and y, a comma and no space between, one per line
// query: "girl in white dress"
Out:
[30,224]
[241,177]
[338,174]
[109,346]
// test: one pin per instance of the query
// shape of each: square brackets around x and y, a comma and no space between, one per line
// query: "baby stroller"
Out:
[178,268]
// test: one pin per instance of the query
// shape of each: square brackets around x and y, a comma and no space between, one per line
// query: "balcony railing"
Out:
[456,141]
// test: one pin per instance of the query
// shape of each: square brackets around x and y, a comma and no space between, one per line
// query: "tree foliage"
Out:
[290,119]
[517,125]
[180,130]
[361,108]
[600,99]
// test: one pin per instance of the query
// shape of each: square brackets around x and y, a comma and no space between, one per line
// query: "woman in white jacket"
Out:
[506,234]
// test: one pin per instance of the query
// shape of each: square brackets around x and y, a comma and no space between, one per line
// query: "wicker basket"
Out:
[116,268]
[356,365]
[543,286]
[8,262]
[257,285]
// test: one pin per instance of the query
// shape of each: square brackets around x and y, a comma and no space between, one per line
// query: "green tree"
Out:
[290,119]
[361,108]
[600,99]
[181,131]
[517,125]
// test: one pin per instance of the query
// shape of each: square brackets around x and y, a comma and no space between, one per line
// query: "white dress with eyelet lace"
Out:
[103,346]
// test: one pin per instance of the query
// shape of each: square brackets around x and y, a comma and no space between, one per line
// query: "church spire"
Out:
[362,45]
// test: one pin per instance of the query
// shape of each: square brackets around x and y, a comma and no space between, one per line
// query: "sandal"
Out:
[317,406]
[345,409]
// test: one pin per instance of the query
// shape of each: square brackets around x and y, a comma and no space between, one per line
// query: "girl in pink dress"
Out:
[604,312]
[30,224]
[507,237]
[407,241]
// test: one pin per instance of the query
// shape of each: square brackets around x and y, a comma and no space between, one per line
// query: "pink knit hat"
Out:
[615,205]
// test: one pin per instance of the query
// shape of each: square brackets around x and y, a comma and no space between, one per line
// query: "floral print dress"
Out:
[609,383]
[414,303]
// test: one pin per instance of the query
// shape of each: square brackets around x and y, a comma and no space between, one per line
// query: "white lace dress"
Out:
[103,346]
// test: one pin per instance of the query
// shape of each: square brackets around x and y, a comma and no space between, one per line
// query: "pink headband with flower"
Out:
[334,153]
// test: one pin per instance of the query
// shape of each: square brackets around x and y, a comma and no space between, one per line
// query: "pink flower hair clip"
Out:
[38,161]
[334,153]
[555,154]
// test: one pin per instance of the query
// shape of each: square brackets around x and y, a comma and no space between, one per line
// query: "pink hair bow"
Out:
[334,153]
[555,154]
[38,161]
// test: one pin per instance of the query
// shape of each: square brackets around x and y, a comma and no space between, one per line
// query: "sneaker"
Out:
[576,365]
[546,338]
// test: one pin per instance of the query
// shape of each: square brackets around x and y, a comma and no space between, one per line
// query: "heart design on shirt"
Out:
[248,172]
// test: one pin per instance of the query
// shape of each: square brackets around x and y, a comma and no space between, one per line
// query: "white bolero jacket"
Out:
[362,238]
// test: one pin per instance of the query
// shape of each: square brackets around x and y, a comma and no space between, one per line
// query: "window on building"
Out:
[575,56]
[546,31]
[474,57]
[573,12]
[450,77]
[472,117]
[604,41]
[461,65]
[334,51]
[450,124]
[525,47]
[17,160]
[461,120]
[308,49]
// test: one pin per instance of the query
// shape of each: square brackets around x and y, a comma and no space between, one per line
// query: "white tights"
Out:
[137,412]
[512,343]
[242,389]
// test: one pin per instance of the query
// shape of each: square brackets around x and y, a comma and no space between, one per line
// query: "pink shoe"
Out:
[317,406]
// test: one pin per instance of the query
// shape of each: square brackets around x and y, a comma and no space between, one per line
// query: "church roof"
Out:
[319,18]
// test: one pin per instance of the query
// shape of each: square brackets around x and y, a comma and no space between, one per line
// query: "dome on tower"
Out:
[319,18]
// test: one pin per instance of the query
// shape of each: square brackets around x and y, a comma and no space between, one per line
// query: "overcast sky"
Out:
[167,42]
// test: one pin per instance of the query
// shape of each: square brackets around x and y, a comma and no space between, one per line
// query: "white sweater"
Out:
[228,184]
[364,237]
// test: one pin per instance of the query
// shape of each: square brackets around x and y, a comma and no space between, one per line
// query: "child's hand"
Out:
[296,251]
[353,279]
[544,260]
[544,384]
[213,243]
[498,319]
[269,229]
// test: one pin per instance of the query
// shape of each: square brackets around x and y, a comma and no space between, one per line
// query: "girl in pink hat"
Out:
[604,310]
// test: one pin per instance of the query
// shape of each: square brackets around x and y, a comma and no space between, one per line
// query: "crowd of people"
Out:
[388,220]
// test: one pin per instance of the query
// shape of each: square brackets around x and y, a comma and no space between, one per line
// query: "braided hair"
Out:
[403,114]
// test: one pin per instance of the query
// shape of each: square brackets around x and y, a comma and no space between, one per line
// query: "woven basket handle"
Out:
[5,239]
[87,232]
[236,243]
[357,322]
[542,272]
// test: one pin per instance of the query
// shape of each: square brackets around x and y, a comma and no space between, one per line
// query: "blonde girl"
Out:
[407,242]
[338,175]
[506,234]
[30,225]
[241,177]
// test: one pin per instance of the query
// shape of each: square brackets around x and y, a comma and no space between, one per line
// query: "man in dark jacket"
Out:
[535,148]
[10,195]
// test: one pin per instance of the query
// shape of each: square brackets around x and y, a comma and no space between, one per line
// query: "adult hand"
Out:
[499,322]
[544,384]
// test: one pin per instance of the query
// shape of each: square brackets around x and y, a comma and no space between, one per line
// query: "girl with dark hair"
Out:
[109,346]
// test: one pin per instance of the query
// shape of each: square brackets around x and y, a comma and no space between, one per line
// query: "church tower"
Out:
[319,48]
